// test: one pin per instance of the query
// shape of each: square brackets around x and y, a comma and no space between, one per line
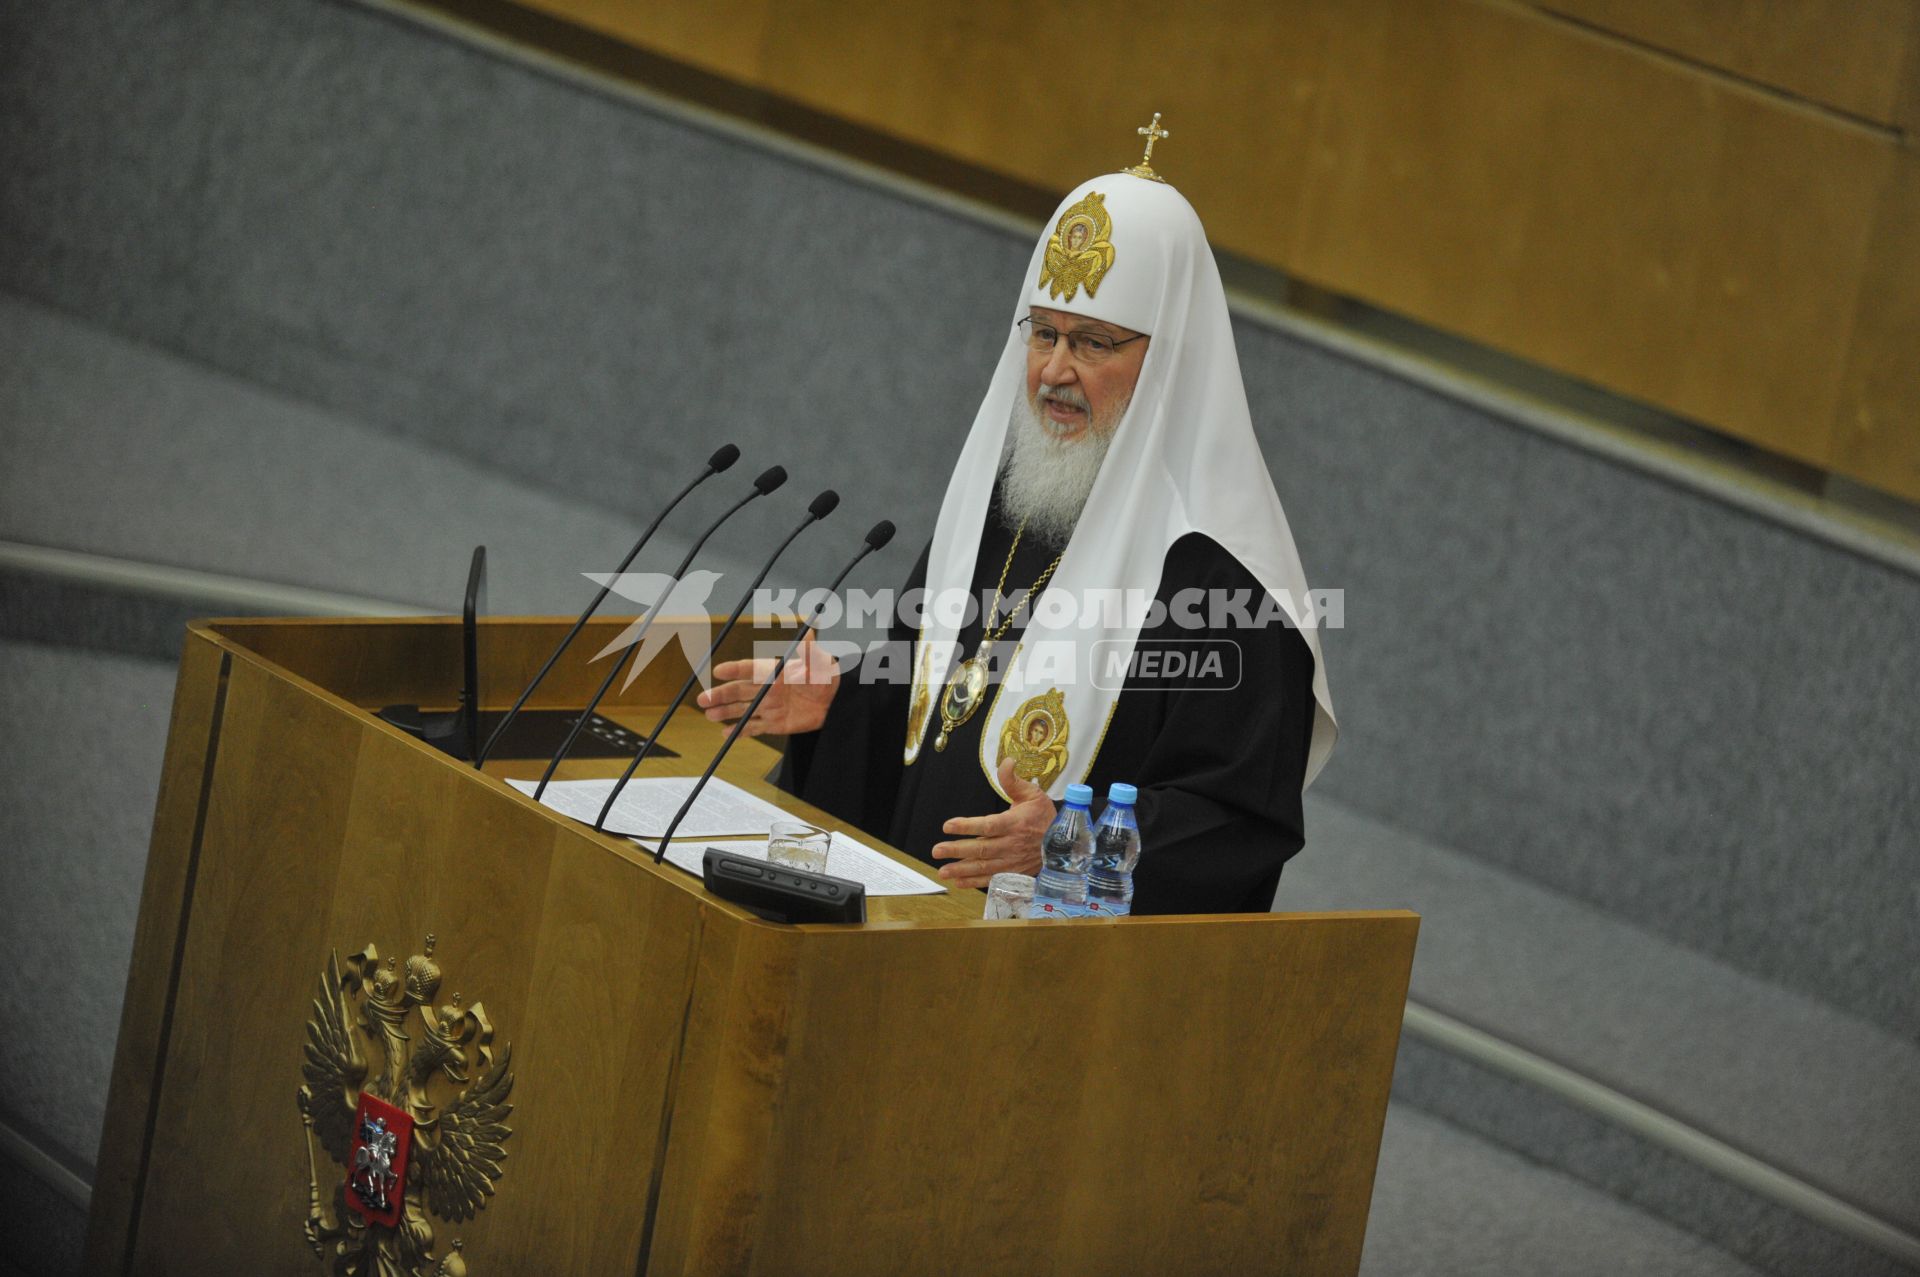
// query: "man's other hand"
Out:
[797,704]
[1006,843]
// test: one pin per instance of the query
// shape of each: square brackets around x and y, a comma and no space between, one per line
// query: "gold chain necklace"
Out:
[968,687]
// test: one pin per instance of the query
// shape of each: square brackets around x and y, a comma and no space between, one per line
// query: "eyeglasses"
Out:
[1088,348]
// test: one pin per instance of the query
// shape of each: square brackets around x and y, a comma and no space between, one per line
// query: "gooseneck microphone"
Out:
[718,462]
[823,505]
[769,481]
[877,537]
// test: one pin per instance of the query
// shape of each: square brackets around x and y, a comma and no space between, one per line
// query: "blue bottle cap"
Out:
[1079,795]
[1125,795]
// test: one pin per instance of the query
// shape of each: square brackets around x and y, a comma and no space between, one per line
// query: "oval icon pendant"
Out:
[962,698]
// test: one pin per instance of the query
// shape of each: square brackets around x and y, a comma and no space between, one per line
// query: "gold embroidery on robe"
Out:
[1035,737]
[916,719]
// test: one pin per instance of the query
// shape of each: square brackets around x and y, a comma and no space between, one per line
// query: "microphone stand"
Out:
[881,534]
[720,460]
[822,506]
[767,482]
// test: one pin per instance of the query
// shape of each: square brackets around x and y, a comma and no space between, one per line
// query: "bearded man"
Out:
[1114,451]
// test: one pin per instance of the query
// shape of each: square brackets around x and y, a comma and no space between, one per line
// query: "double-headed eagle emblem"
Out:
[404,1155]
[1080,250]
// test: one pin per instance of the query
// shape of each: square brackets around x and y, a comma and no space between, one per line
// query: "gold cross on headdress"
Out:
[1153,133]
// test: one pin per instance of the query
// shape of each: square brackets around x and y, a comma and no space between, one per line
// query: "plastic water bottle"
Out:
[1060,890]
[1116,850]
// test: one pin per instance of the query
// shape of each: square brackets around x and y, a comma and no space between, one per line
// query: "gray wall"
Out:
[1696,718]
[537,278]
[1620,688]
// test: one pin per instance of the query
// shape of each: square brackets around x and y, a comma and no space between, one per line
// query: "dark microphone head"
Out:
[771,479]
[823,504]
[879,534]
[722,459]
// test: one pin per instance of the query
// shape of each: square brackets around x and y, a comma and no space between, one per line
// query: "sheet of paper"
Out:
[647,805]
[724,811]
[847,857]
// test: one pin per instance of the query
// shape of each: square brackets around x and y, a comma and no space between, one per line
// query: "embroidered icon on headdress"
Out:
[1078,251]
[1035,738]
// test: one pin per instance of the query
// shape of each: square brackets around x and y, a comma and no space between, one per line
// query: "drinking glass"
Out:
[1009,895]
[798,845]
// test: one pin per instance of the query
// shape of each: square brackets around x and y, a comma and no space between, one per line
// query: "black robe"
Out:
[1219,771]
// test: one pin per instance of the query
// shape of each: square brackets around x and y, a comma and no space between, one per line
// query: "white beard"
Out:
[1047,479]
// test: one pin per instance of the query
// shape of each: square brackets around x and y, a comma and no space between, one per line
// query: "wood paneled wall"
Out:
[1710,205]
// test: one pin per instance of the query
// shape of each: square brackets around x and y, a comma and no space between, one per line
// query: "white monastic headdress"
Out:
[1129,251]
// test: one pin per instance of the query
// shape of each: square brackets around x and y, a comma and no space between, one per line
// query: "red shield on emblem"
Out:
[377,1163]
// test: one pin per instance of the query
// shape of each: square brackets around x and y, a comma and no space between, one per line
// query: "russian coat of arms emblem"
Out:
[408,1150]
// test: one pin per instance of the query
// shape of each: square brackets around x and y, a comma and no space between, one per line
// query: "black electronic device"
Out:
[876,539]
[779,893]
[536,733]
[768,481]
[498,736]
[472,606]
[455,732]
[822,506]
[531,733]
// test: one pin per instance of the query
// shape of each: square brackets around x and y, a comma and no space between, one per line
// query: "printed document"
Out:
[723,811]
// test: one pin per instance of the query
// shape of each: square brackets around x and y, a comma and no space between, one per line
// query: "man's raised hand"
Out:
[797,704]
[1005,843]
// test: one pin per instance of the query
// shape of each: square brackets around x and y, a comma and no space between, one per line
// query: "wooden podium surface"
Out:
[694,1090]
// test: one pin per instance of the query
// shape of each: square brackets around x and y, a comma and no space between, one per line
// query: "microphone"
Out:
[822,506]
[877,538]
[718,462]
[769,481]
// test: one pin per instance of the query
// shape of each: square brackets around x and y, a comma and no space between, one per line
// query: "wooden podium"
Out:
[693,1090]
